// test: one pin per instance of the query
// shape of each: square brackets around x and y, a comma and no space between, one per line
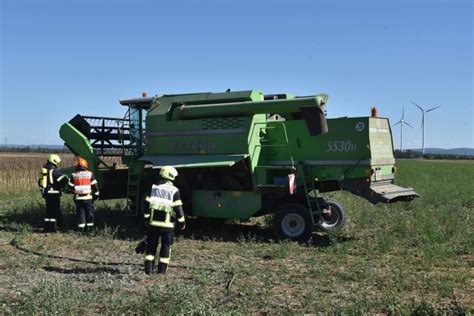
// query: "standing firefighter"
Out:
[50,182]
[86,190]
[160,220]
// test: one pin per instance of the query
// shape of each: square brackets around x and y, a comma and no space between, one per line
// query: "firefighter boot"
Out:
[46,226]
[49,226]
[162,268]
[149,266]
[59,221]
[89,228]
[53,226]
[81,228]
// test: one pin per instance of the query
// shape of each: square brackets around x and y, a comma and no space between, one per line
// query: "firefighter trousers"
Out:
[85,213]
[167,239]
[53,215]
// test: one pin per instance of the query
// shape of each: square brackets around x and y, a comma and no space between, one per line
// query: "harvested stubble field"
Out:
[400,258]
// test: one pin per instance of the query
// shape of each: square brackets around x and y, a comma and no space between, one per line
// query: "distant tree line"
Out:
[411,154]
[28,149]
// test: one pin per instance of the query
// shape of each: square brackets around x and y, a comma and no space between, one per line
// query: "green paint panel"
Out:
[163,104]
[348,151]
[246,108]
[193,161]
[286,140]
[226,204]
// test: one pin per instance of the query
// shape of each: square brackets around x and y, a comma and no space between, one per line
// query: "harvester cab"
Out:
[243,154]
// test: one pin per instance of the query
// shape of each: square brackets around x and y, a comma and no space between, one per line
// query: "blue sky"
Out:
[60,58]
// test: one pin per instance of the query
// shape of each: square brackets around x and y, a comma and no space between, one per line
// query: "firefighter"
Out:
[50,182]
[165,209]
[86,191]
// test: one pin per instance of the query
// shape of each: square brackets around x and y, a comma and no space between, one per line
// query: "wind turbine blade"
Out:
[418,106]
[403,113]
[397,123]
[433,108]
[408,124]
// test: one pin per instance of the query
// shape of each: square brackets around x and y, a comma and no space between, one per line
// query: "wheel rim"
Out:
[293,225]
[331,218]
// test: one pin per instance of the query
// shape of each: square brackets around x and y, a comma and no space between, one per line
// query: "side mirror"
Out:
[315,120]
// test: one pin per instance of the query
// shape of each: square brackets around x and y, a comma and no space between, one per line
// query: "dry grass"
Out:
[19,172]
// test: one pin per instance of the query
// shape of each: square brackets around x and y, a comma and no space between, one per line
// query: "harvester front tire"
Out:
[292,221]
[333,216]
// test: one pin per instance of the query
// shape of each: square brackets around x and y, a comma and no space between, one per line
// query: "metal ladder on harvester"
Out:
[135,169]
[314,211]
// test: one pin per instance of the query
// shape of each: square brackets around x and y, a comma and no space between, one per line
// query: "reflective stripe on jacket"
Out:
[162,204]
[84,184]
[51,180]
[82,181]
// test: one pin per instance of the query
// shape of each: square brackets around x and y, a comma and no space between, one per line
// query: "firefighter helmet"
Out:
[82,162]
[168,173]
[54,159]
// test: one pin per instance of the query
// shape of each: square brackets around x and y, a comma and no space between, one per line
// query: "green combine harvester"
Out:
[241,154]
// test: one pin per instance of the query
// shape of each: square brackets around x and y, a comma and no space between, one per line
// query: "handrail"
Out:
[267,145]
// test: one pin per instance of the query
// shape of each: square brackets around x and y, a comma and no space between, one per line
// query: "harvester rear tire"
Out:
[335,218]
[292,221]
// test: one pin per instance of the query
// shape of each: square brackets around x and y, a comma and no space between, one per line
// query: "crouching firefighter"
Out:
[165,209]
[86,191]
[50,182]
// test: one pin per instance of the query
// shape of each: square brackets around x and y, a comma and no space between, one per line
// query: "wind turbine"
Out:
[401,122]
[423,111]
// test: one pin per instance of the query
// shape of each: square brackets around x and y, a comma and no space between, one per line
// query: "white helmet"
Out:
[168,173]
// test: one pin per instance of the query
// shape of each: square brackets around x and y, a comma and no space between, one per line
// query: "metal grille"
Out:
[223,123]
[110,136]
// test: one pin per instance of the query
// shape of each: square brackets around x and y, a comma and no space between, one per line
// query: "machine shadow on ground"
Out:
[117,224]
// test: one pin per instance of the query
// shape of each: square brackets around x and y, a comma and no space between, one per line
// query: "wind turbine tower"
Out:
[401,122]
[423,111]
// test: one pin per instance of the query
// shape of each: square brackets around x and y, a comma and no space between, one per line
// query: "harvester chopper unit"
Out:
[241,154]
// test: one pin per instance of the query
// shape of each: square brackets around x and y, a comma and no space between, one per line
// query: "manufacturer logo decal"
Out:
[360,126]
[201,147]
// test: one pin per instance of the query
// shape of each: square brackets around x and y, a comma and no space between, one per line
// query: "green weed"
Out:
[176,299]
[51,296]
